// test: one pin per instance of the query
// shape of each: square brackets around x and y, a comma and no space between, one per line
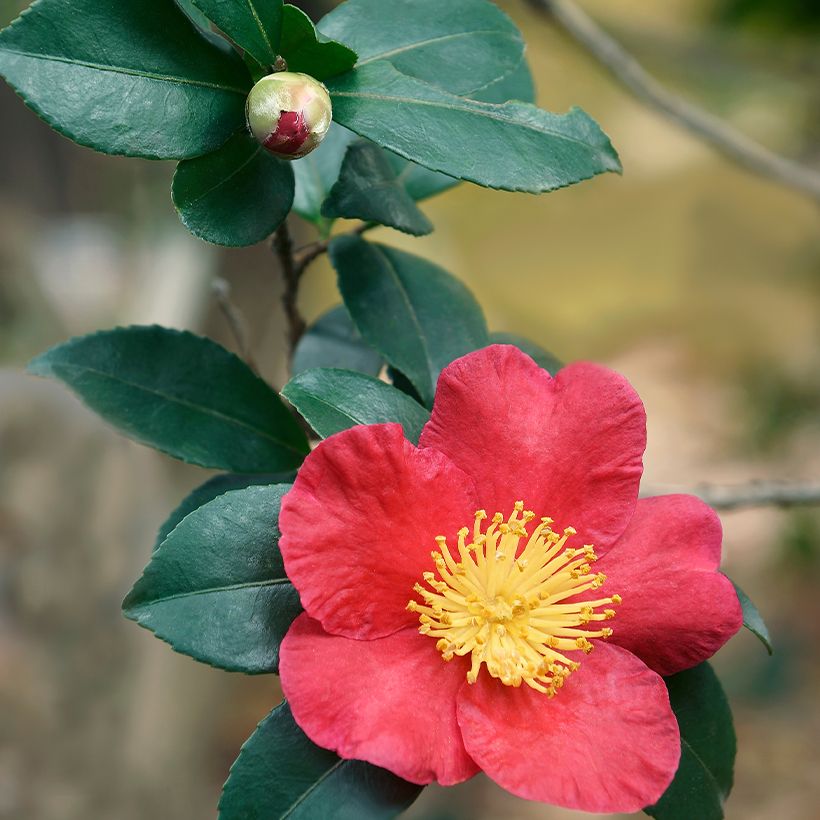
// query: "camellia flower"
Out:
[498,598]
[289,113]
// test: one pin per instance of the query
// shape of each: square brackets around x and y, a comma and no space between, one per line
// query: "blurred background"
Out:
[698,281]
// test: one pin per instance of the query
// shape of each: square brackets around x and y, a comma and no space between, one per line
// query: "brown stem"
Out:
[291,273]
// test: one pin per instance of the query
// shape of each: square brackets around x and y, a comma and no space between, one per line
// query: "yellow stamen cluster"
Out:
[509,606]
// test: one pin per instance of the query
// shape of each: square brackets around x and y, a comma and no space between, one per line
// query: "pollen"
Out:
[507,598]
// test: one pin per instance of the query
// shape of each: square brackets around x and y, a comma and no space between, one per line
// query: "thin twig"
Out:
[707,127]
[307,254]
[753,494]
[283,247]
[235,319]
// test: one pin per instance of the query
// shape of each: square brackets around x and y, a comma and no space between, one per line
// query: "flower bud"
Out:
[289,113]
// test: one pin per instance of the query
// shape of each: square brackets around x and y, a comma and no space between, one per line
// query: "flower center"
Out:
[509,607]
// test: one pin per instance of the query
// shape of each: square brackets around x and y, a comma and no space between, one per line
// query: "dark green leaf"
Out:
[305,50]
[203,24]
[422,183]
[415,314]
[419,182]
[254,25]
[514,147]
[368,189]
[457,45]
[216,588]
[280,774]
[334,400]
[542,357]
[317,172]
[704,777]
[128,77]
[213,488]
[333,341]
[183,394]
[238,195]
[518,85]
[752,619]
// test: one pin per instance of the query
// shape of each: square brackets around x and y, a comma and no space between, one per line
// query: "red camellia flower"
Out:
[498,598]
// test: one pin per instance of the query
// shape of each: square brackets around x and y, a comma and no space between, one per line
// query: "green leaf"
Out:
[238,195]
[704,777]
[334,400]
[213,488]
[514,146]
[518,85]
[254,25]
[216,588]
[333,341]
[457,45]
[753,620]
[543,358]
[130,77]
[204,25]
[316,174]
[305,50]
[422,183]
[280,773]
[183,394]
[415,314]
[419,182]
[368,189]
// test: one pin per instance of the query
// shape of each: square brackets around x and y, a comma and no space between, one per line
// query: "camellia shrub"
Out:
[458,576]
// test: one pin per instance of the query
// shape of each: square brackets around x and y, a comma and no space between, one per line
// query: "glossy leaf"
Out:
[422,183]
[415,314]
[704,777]
[204,25]
[128,77]
[517,85]
[305,50]
[753,620]
[316,174]
[369,189]
[333,341]
[254,25]
[334,400]
[183,394]
[543,358]
[213,488]
[238,195]
[458,45]
[514,146]
[216,588]
[280,773]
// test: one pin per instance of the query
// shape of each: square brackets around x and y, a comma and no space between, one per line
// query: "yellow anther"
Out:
[616,599]
[511,601]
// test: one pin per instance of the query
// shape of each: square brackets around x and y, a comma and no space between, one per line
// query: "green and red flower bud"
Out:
[289,113]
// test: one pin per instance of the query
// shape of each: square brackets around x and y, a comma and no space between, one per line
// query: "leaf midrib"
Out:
[175,400]
[413,315]
[305,794]
[209,591]
[191,202]
[419,44]
[132,72]
[477,112]
[709,774]
[327,404]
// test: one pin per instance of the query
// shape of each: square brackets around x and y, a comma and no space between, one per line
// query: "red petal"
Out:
[390,701]
[569,447]
[677,609]
[360,523]
[607,742]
